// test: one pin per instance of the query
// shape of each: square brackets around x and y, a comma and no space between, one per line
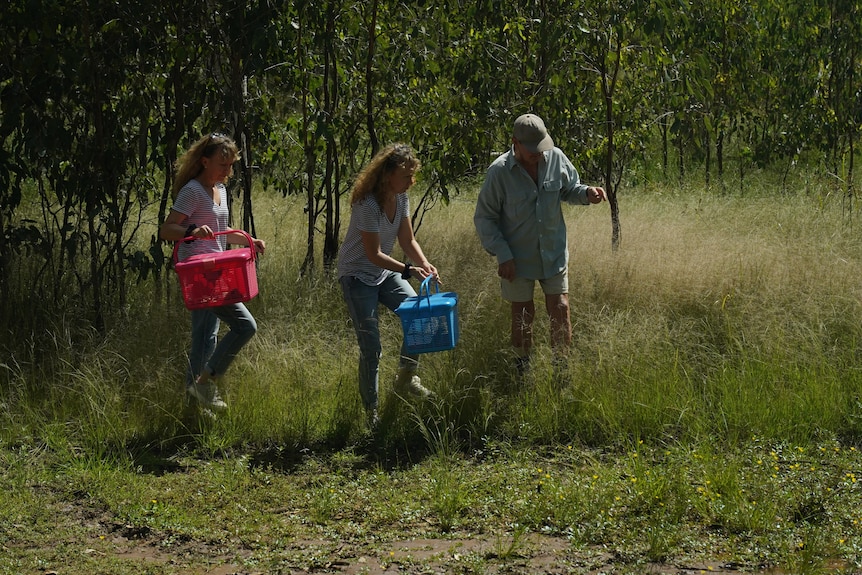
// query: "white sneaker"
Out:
[413,387]
[207,395]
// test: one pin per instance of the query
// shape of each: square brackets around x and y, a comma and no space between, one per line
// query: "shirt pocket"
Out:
[552,187]
[549,211]
[520,203]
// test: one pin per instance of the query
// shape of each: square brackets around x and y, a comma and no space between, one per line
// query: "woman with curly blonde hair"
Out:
[370,276]
[199,211]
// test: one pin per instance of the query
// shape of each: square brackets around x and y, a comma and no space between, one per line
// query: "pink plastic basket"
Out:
[220,278]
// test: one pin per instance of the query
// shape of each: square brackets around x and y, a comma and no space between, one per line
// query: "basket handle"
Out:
[248,238]
[425,286]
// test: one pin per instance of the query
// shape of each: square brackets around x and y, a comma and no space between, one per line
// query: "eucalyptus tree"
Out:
[123,86]
[441,88]
[724,83]
[181,41]
[842,87]
[619,55]
[77,133]
[787,47]
[327,56]
[250,37]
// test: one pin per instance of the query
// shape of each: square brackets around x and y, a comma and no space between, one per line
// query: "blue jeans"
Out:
[204,353]
[362,305]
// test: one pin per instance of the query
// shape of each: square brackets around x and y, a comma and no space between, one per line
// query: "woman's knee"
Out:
[250,326]
[244,325]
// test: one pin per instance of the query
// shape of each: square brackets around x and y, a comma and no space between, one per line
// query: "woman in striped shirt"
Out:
[369,275]
[199,211]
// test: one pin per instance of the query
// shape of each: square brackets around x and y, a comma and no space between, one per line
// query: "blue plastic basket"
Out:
[429,320]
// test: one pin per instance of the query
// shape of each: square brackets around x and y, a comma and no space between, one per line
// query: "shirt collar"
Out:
[511,162]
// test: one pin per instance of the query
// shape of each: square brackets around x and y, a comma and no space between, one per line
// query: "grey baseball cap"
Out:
[531,132]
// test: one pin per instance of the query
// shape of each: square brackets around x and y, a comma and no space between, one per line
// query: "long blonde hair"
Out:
[189,165]
[372,178]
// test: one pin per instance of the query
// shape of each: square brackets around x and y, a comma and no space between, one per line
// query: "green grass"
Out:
[713,415]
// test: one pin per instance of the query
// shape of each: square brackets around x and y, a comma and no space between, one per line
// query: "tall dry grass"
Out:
[719,317]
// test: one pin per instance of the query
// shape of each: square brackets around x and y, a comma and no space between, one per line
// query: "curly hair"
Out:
[372,178]
[189,165]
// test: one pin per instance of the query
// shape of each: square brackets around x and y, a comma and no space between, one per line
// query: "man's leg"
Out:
[561,323]
[561,335]
[519,293]
[557,303]
[523,313]
[522,332]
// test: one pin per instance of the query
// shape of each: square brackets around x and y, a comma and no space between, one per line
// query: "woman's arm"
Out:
[238,238]
[371,244]
[414,252]
[175,227]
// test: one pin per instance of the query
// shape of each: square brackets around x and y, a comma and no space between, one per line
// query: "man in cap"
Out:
[519,220]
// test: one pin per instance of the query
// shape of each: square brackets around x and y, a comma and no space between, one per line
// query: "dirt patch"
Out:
[527,555]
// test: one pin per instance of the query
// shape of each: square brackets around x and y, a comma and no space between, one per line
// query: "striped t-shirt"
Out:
[194,201]
[366,216]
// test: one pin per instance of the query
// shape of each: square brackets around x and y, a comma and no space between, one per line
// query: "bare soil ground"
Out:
[531,554]
[420,556]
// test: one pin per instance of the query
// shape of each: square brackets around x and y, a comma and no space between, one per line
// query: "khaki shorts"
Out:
[521,290]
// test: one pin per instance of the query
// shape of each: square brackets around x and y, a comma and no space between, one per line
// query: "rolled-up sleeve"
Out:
[573,191]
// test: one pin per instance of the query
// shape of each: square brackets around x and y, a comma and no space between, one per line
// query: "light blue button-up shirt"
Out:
[517,219]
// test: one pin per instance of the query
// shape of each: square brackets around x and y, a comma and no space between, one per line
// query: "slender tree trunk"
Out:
[609,80]
[610,189]
[369,78]
[308,150]
[664,150]
[851,163]
[4,264]
[311,209]
[97,190]
[330,105]
[243,137]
